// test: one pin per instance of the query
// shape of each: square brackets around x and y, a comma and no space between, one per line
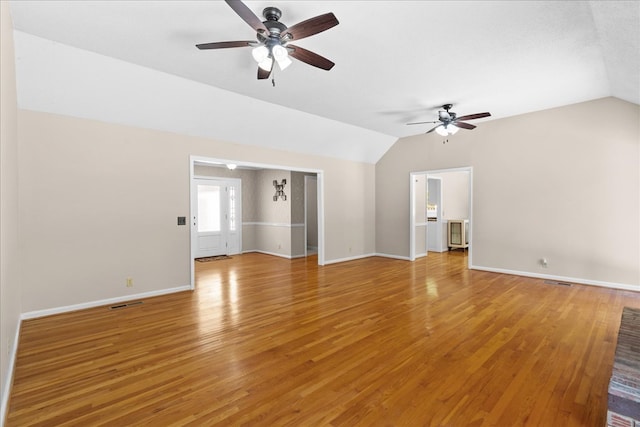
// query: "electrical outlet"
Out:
[129,282]
[544,263]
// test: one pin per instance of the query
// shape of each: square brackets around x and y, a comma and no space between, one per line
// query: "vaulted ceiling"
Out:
[135,62]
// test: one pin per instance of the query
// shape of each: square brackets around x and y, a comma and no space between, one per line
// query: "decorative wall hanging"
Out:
[279,190]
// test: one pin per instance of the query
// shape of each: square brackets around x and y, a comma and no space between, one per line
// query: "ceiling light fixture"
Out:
[446,130]
[281,55]
[264,55]
[231,166]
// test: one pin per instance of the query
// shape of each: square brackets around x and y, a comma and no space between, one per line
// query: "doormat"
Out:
[213,258]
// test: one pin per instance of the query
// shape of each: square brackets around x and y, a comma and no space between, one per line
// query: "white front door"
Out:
[216,215]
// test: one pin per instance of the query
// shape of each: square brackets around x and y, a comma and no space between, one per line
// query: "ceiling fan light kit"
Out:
[447,130]
[273,39]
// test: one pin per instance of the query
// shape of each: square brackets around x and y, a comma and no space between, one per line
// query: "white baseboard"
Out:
[404,258]
[352,258]
[275,254]
[6,387]
[623,286]
[109,301]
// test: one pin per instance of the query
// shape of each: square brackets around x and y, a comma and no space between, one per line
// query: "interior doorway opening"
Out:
[290,226]
[437,197]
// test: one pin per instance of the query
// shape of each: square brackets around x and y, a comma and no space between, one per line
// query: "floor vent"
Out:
[555,282]
[125,305]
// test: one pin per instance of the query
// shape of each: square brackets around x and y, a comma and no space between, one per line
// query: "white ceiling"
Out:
[396,62]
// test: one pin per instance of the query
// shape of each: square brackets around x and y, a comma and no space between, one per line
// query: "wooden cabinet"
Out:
[458,233]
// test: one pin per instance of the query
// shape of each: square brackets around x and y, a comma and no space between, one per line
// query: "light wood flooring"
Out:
[265,341]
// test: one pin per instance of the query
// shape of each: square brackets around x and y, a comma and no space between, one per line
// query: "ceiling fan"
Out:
[273,39]
[449,122]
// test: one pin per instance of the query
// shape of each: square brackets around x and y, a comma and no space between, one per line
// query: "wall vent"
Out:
[555,282]
[125,305]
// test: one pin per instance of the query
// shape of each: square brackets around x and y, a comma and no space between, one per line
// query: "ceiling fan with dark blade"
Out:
[449,122]
[273,37]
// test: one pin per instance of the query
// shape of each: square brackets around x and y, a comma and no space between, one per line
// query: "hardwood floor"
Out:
[267,341]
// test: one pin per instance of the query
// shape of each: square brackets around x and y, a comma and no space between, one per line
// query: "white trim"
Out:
[320,207]
[403,258]
[274,224]
[11,364]
[99,303]
[275,254]
[412,216]
[623,286]
[352,258]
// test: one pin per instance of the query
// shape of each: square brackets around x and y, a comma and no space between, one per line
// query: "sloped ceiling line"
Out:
[508,58]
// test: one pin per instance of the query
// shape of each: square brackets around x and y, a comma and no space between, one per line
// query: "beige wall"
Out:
[100,201]
[268,210]
[312,212]
[273,231]
[455,194]
[354,213]
[420,214]
[297,214]
[10,299]
[297,197]
[561,184]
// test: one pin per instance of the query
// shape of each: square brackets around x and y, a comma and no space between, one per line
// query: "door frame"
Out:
[412,219]
[193,159]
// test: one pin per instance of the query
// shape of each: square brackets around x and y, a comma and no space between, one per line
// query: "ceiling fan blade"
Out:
[311,26]
[247,15]
[474,116]
[419,123]
[431,130]
[262,74]
[224,45]
[463,125]
[310,58]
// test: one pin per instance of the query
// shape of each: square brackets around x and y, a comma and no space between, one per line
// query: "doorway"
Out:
[217,162]
[446,209]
